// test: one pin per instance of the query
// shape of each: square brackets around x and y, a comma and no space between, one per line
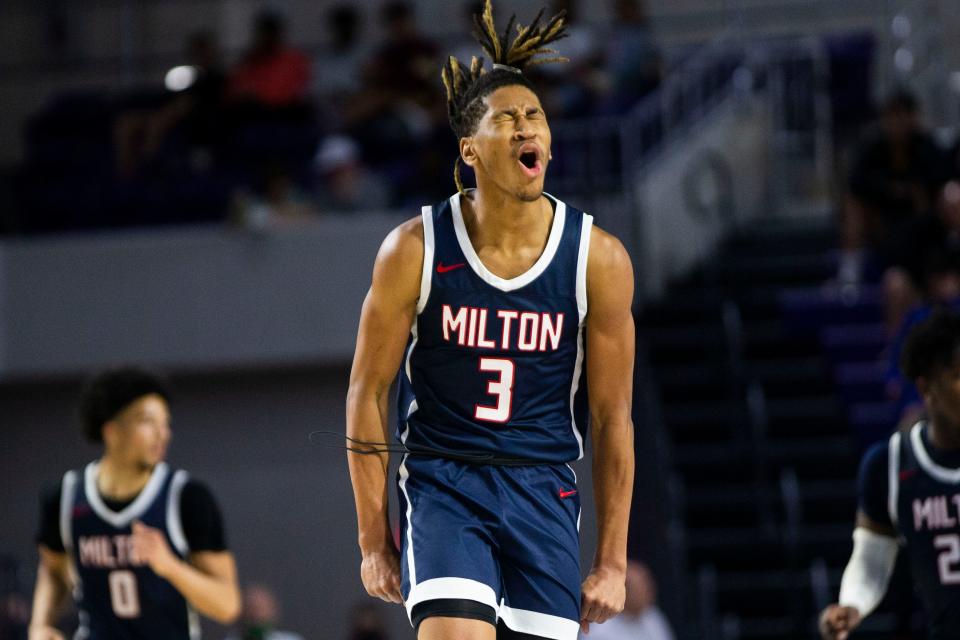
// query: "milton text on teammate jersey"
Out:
[934,512]
[108,552]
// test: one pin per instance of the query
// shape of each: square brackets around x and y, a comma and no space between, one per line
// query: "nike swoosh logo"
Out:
[442,268]
[567,494]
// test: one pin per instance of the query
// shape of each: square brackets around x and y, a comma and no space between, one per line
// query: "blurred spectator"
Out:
[14,607]
[909,404]
[400,111]
[925,275]
[641,619]
[581,42]
[338,66]
[893,181]
[271,74]
[259,617]
[194,106]
[464,46]
[279,202]
[633,58]
[366,623]
[343,184]
[14,616]
[571,90]
[924,249]
[407,63]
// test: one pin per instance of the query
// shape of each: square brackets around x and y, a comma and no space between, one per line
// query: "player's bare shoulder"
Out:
[403,246]
[399,264]
[609,269]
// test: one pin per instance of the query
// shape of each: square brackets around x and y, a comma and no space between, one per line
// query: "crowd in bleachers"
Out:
[900,228]
[279,135]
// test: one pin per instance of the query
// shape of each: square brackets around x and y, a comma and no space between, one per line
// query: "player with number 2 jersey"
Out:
[910,496]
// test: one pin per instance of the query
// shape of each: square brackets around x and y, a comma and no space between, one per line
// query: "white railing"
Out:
[789,76]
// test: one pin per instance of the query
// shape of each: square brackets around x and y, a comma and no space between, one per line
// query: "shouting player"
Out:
[141,545]
[501,307]
[910,495]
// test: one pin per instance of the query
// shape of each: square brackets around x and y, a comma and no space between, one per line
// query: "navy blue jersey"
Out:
[924,506]
[118,596]
[495,366]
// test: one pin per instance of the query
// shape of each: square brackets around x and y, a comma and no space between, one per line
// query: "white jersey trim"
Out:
[426,279]
[893,477]
[426,274]
[67,492]
[136,508]
[447,588]
[539,624]
[83,631]
[193,623]
[943,474]
[583,255]
[406,369]
[411,564]
[174,520]
[553,242]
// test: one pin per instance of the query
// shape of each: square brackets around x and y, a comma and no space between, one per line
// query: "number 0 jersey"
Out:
[496,366]
[118,596]
[924,505]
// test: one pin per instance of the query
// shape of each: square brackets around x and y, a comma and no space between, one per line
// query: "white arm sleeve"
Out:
[867,574]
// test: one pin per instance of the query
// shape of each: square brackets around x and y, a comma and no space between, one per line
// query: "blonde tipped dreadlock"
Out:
[466,88]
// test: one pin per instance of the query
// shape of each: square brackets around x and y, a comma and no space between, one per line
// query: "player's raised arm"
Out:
[388,313]
[610,354]
[50,593]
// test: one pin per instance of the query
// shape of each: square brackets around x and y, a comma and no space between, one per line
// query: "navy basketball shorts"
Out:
[503,536]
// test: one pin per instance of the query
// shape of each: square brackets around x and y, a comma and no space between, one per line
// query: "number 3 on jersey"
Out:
[502,388]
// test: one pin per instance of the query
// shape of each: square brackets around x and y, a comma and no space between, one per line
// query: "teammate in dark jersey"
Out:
[910,495]
[140,545]
[492,305]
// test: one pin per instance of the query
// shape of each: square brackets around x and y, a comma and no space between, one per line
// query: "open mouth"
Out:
[530,163]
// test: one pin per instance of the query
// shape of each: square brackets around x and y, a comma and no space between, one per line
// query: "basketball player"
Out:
[910,496]
[493,305]
[141,545]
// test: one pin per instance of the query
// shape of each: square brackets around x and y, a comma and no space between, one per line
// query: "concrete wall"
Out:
[191,298]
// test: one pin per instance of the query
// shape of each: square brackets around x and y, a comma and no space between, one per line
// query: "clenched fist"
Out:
[603,594]
[837,622]
[380,573]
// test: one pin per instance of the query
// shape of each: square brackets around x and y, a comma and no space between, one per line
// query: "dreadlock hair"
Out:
[932,345]
[468,86]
